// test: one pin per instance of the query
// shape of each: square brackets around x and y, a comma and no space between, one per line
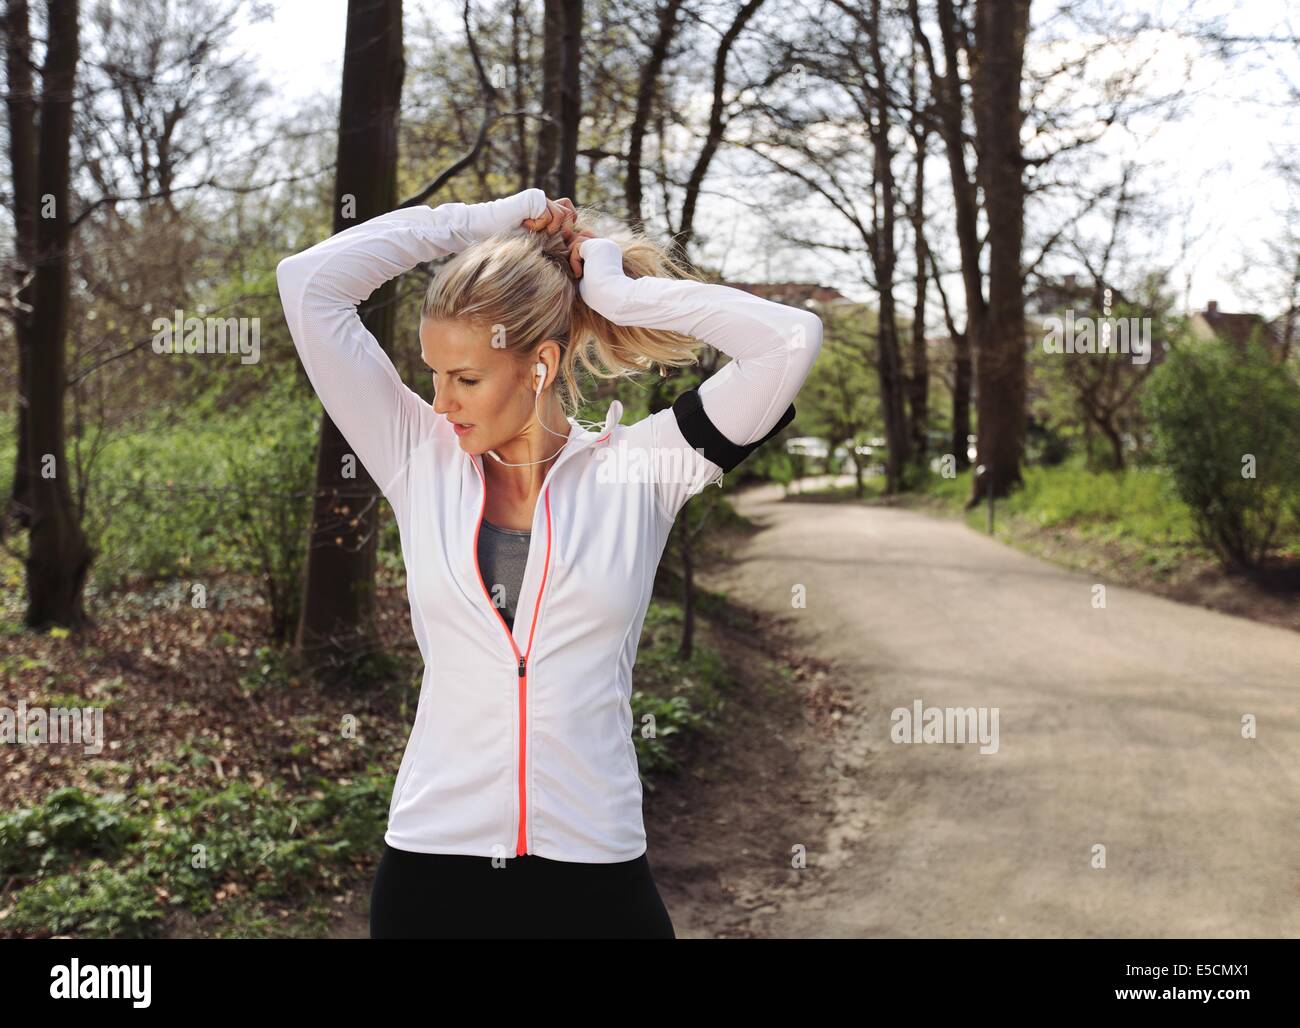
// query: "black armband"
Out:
[704,436]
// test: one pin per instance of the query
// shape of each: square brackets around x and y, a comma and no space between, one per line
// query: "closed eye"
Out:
[463,380]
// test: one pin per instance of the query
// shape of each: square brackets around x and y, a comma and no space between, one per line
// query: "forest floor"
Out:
[196,702]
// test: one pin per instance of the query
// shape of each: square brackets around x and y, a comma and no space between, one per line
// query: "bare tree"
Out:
[950,104]
[718,121]
[854,55]
[1270,273]
[918,380]
[164,96]
[1105,385]
[646,93]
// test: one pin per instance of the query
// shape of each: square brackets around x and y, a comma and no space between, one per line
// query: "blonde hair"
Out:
[520,286]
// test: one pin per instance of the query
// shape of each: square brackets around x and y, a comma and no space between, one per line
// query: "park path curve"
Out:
[1118,726]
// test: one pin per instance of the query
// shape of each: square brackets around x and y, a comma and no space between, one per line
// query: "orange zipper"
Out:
[521,840]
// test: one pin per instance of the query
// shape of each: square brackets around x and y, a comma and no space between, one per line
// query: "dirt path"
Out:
[1118,727]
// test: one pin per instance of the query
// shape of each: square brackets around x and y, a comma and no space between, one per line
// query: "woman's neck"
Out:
[535,443]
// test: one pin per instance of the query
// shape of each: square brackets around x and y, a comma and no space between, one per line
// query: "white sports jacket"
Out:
[522,740]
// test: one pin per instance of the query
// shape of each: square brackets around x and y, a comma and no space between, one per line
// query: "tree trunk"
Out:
[59,556]
[645,97]
[1116,443]
[557,151]
[884,259]
[570,99]
[337,627]
[919,379]
[717,127]
[961,391]
[22,161]
[545,175]
[1000,31]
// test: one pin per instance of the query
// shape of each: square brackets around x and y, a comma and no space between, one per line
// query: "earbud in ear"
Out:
[541,375]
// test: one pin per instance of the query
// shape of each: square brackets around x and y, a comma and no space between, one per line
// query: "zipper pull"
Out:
[523,668]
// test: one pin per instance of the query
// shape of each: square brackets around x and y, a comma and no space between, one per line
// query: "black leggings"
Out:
[455,896]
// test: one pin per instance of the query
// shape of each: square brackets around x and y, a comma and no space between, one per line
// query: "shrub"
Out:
[68,824]
[270,477]
[228,493]
[1216,412]
[103,902]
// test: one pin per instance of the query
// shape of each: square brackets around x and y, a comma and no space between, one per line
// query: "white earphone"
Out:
[540,370]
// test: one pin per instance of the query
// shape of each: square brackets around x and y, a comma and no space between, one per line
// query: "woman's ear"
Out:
[550,354]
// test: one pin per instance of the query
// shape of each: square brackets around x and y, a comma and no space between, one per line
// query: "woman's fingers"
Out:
[558,213]
[561,216]
[575,246]
[540,222]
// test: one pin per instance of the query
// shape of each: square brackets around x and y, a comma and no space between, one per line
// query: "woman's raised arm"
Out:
[712,428]
[380,417]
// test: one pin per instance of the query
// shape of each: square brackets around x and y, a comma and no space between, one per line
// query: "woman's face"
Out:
[475,384]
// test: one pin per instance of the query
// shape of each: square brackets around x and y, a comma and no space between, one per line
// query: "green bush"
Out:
[145,518]
[68,825]
[109,866]
[271,475]
[1214,409]
[672,716]
[102,902]
[683,696]
[228,493]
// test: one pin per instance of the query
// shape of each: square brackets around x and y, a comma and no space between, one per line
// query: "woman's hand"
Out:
[561,217]
[557,213]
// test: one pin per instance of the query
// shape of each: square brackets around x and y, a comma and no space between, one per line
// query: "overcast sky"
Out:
[1213,161]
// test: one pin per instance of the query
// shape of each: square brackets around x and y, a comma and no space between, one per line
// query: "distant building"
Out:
[1235,328]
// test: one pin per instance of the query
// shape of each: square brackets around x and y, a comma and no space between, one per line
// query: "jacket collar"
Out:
[612,418]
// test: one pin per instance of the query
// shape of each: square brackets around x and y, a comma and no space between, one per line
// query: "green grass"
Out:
[1135,504]
[1136,508]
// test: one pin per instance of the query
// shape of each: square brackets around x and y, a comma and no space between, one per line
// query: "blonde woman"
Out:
[531,541]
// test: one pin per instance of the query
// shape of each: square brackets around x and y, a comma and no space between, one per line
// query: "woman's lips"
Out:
[460,429]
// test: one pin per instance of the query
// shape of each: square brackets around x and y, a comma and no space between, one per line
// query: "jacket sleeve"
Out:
[380,417]
[710,429]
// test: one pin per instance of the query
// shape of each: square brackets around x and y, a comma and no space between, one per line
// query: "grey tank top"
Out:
[502,554]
